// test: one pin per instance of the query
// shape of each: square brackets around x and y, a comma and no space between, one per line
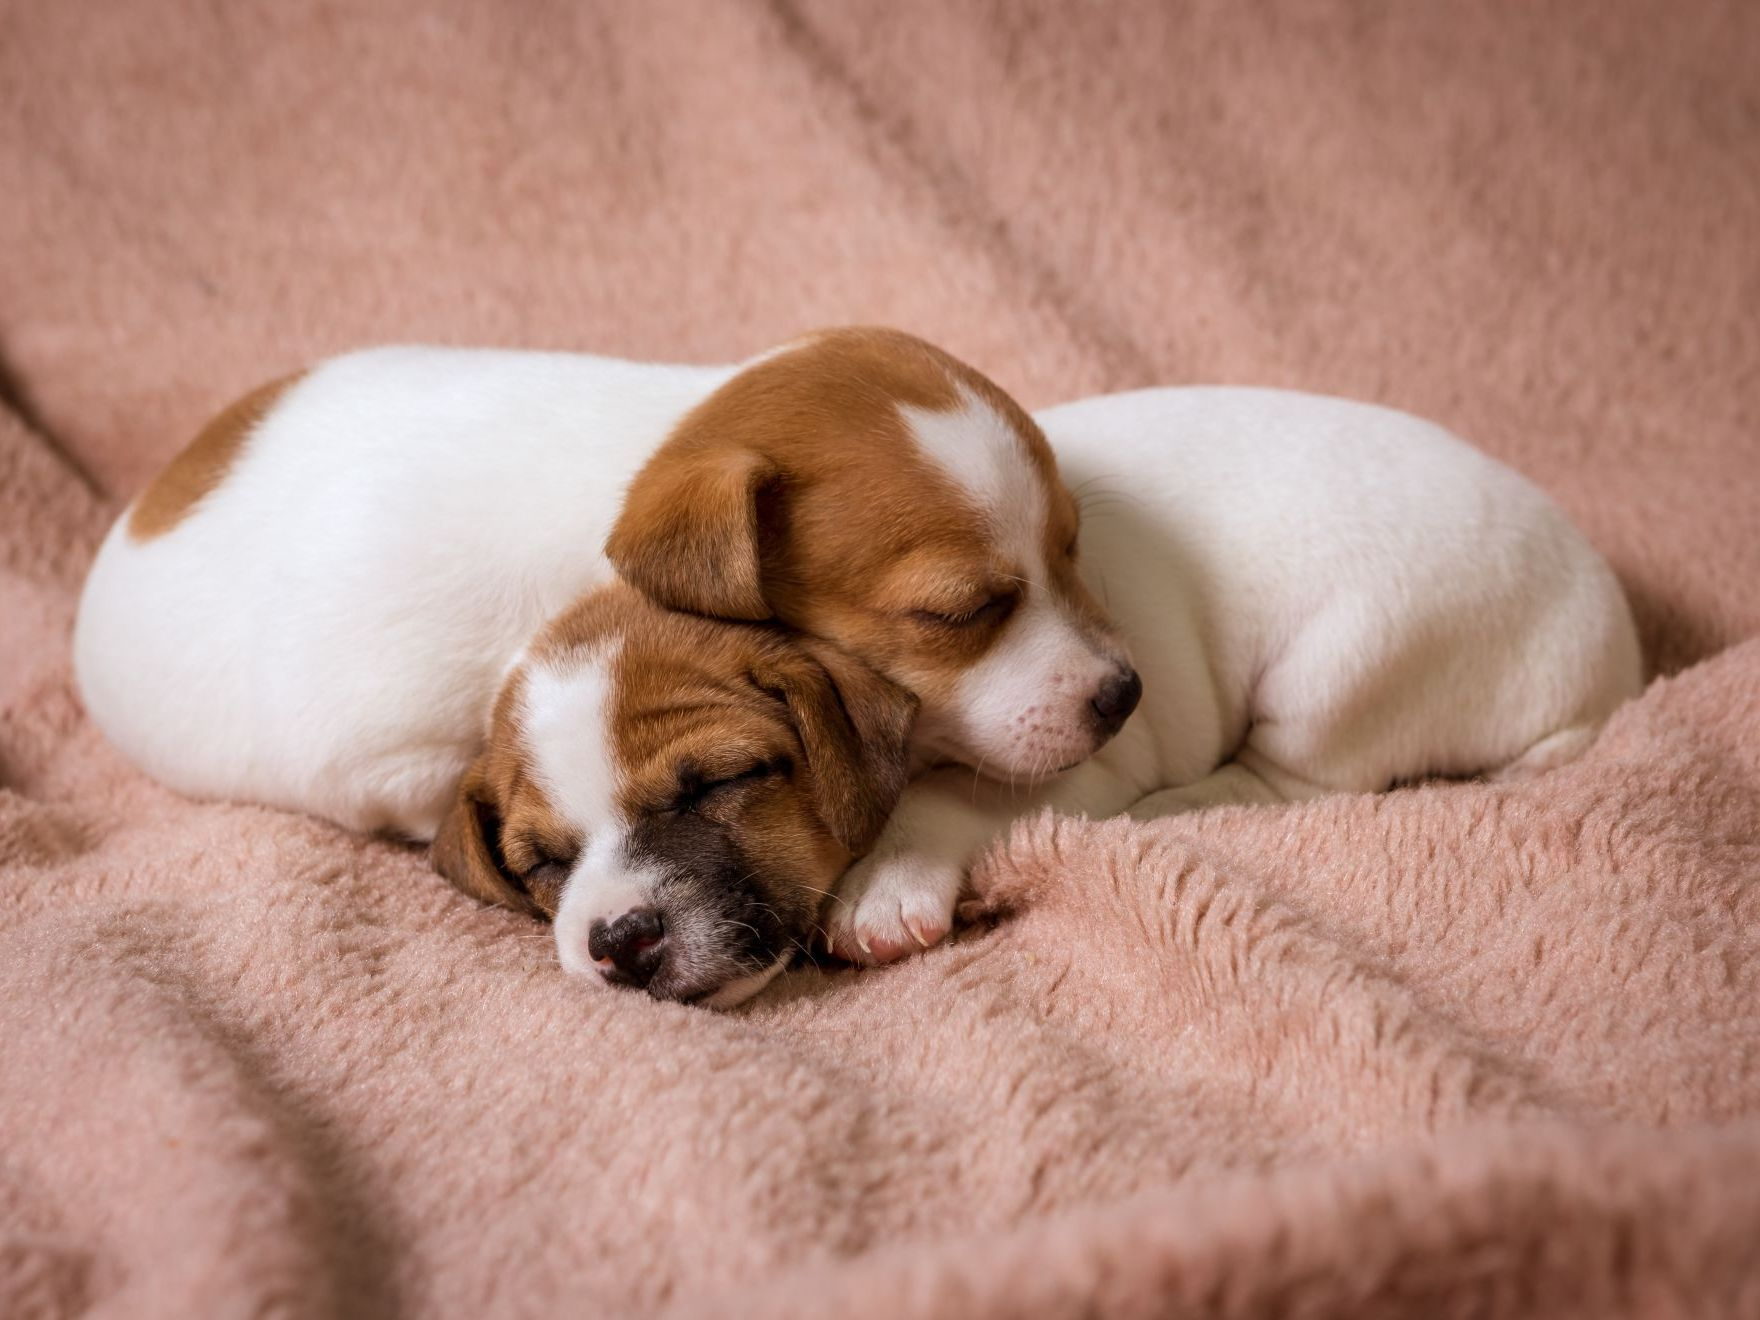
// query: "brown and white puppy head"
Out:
[678,795]
[865,487]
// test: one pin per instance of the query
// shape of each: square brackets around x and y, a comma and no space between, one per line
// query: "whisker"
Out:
[1093,482]
[826,893]
[729,921]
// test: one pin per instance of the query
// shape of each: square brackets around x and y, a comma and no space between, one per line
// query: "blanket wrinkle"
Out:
[1053,299]
[1461,1049]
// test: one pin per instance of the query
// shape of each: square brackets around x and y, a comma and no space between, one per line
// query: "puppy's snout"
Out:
[1116,699]
[631,948]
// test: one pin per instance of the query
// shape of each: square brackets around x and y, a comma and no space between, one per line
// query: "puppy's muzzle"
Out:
[1114,701]
[631,948]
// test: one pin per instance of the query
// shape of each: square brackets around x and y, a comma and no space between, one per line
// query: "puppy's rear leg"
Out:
[1248,780]
[1549,753]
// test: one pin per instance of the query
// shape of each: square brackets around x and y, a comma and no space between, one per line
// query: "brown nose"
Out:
[1117,698]
[631,948]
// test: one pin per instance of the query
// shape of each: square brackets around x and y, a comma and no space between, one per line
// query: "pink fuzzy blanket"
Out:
[1457,1050]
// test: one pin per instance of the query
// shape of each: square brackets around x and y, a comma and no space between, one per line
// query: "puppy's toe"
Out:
[927,922]
[885,911]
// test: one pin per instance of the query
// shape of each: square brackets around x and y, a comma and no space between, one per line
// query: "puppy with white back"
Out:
[1322,597]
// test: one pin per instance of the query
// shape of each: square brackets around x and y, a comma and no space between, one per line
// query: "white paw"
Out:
[886,907]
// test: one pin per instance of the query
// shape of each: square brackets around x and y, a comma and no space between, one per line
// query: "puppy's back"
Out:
[1356,560]
[313,605]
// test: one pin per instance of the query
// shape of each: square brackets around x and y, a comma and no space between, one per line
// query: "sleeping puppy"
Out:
[1324,596]
[864,487]
[313,605]
[678,795]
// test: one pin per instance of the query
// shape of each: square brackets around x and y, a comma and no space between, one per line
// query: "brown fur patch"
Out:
[202,465]
[499,806]
[839,525]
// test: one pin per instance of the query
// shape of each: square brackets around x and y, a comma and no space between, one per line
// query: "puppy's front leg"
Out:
[1246,781]
[901,896]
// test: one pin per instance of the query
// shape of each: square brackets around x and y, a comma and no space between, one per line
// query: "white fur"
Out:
[981,453]
[566,722]
[1321,596]
[327,630]
[1023,708]
[737,992]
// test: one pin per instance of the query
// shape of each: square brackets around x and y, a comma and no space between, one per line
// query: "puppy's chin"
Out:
[1040,754]
[730,994]
[737,992]
[722,983]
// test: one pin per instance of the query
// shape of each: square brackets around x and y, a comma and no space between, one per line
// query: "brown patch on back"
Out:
[199,469]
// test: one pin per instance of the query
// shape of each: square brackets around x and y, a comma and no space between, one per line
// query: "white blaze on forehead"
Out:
[792,346]
[567,724]
[988,460]
[566,719]
[1023,707]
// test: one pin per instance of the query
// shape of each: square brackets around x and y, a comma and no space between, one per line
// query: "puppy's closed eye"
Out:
[543,881]
[698,788]
[980,614]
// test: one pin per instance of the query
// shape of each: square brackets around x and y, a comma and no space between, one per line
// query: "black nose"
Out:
[1116,699]
[634,946]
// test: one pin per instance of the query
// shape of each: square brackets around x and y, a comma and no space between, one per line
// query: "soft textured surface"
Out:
[1458,1050]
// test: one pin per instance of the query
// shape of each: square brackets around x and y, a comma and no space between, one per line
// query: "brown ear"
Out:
[688,536]
[855,728]
[467,849]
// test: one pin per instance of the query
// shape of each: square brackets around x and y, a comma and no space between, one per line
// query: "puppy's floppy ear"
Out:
[855,727]
[689,534]
[467,850]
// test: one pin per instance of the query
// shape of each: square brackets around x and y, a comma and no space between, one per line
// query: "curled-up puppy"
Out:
[1323,597]
[678,795]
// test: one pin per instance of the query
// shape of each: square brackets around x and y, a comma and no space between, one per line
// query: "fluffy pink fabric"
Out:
[1458,1050]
